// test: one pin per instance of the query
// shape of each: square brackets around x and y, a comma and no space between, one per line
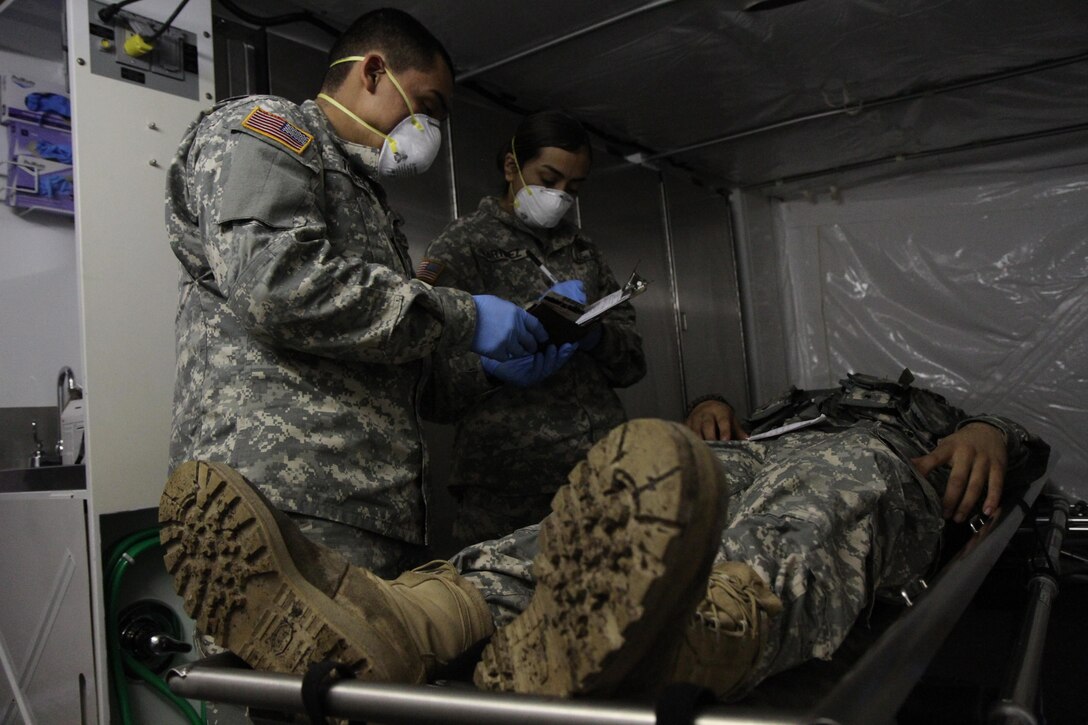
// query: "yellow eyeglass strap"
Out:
[396,84]
[342,107]
[518,167]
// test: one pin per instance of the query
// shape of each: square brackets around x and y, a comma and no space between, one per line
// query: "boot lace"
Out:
[730,607]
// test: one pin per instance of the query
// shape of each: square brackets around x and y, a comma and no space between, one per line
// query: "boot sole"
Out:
[625,554]
[232,567]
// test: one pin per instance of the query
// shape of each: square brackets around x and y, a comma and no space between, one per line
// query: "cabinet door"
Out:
[45,618]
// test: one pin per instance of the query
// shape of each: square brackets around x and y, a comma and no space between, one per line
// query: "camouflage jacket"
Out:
[908,419]
[303,342]
[487,252]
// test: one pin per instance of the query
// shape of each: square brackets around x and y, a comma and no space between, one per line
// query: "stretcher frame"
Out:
[872,691]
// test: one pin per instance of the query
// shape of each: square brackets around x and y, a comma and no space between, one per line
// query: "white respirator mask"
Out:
[411,147]
[539,206]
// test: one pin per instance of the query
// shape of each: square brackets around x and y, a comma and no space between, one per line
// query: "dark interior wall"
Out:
[708,298]
[622,210]
[480,129]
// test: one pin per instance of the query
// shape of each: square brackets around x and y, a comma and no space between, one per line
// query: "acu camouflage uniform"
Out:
[514,446]
[303,342]
[830,516]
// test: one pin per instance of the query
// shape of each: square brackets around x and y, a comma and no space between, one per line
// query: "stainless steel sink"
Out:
[46,478]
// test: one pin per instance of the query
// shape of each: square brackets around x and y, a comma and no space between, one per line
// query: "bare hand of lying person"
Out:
[714,420]
[976,453]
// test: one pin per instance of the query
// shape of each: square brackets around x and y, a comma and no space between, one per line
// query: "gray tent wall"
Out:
[976,278]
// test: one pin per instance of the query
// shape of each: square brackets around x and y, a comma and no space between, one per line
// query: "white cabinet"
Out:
[46,645]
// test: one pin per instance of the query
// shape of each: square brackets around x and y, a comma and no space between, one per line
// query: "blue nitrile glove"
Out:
[55,187]
[49,102]
[504,330]
[530,370]
[571,289]
[55,151]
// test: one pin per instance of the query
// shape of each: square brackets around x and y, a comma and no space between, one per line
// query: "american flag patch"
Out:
[429,269]
[278,129]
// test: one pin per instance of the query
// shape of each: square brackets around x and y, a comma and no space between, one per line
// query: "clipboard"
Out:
[567,320]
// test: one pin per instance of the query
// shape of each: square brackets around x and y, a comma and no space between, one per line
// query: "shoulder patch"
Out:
[429,270]
[277,128]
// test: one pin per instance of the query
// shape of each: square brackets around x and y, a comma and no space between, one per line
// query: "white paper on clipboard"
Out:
[635,286]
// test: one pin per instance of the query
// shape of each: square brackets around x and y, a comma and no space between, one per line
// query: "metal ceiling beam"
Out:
[473,72]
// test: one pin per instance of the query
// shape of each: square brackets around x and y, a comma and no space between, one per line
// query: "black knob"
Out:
[161,643]
[151,632]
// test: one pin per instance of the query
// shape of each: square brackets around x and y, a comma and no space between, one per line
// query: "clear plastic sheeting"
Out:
[976,281]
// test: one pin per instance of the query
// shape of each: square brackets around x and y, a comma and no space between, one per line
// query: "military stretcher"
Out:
[873,689]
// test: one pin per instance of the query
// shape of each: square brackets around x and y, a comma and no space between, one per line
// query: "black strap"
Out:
[315,687]
[681,702]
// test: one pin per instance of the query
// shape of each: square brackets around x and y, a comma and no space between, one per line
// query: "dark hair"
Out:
[543,129]
[403,40]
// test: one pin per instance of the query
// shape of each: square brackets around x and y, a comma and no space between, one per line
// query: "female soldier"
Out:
[515,445]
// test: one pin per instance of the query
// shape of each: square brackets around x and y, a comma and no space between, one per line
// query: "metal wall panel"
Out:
[706,275]
[759,276]
[253,61]
[480,128]
[295,70]
[241,59]
[622,212]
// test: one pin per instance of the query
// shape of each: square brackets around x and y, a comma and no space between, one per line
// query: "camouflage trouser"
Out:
[384,556]
[484,513]
[826,518]
[502,569]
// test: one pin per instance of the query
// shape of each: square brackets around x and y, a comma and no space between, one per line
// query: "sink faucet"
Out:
[36,459]
[66,390]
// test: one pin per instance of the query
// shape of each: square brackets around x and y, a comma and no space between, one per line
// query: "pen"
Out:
[540,265]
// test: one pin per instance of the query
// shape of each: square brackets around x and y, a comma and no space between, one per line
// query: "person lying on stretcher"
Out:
[666,557]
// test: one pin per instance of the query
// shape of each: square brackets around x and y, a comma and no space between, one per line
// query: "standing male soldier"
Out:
[303,342]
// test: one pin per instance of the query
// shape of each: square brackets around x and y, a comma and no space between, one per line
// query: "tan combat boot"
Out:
[279,601]
[725,636]
[444,614]
[625,552]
